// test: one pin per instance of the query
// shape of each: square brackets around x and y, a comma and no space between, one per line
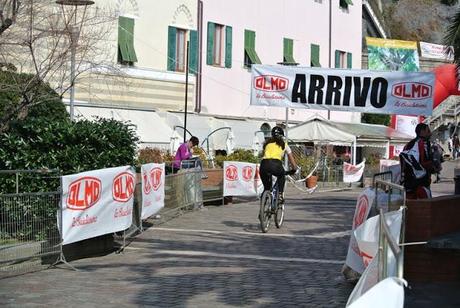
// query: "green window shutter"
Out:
[349,59]
[130,40]
[172,32]
[210,45]
[337,59]
[314,55]
[228,46]
[288,50]
[193,55]
[250,46]
[122,39]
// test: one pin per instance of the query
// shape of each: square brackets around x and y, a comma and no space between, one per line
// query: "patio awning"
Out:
[319,131]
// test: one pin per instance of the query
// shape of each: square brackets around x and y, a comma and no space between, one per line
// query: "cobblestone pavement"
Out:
[214,257]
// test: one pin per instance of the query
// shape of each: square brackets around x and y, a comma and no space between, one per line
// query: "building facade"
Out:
[144,80]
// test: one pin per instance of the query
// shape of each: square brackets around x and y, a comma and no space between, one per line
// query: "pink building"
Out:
[237,33]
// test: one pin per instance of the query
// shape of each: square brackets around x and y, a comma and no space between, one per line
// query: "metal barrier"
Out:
[29,235]
[385,239]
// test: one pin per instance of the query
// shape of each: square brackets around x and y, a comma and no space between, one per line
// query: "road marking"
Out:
[191,253]
[323,235]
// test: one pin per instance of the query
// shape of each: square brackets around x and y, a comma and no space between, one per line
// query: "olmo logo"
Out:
[271,83]
[84,193]
[411,90]
[248,172]
[155,178]
[231,173]
[123,187]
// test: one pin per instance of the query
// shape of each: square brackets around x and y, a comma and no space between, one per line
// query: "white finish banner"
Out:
[363,206]
[409,93]
[353,173]
[240,179]
[153,189]
[96,202]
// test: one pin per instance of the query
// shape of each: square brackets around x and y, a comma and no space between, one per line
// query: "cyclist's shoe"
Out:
[281,199]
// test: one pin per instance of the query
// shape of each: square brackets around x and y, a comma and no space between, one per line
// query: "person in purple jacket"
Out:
[184,153]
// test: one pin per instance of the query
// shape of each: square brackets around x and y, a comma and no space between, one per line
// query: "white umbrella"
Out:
[230,143]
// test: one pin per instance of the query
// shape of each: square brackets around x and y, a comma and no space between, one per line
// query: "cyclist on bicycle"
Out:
[271,164]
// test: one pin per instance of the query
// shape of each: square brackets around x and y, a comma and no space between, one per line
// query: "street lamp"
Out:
[74,32]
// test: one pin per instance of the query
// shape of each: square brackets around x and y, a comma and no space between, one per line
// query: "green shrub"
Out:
[237,155]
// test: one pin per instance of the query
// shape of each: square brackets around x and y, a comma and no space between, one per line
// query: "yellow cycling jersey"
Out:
[274,151]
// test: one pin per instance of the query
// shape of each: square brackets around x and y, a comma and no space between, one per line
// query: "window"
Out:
[250,54]
[314,56]
[343,59]
[177,49]
[345,3]
[218,42]
[288,50]
[219,48]
[126,52]
[180,50]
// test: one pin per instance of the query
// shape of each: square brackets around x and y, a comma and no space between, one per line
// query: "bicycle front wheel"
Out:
[265,211]
[279,215]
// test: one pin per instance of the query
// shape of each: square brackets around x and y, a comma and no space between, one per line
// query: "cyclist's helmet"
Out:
[277,132]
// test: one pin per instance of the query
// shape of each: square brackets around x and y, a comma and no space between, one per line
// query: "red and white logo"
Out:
[257,175]
[147,186]
[361,210]
[271,83]
[84,193]
[123,187]
[231,173]
[411,90]
[248,173]
[155,178]
[350,168]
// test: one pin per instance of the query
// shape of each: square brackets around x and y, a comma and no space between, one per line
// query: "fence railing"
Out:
[386,240]
[28,231]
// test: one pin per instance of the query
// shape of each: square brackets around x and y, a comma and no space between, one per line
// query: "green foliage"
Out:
[449,2]
[37,143]
[306,163]
[150,155]
[371,118]
[237,155]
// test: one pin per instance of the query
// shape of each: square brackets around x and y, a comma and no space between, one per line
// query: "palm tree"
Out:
[452,38]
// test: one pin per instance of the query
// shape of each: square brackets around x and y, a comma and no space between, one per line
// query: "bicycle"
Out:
[269,205]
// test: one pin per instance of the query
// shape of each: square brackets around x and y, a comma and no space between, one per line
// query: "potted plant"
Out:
[312,180]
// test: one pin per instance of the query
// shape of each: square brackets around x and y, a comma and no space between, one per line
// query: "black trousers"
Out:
[269,167]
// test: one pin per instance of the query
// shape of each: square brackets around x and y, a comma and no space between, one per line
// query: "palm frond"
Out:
[452,38]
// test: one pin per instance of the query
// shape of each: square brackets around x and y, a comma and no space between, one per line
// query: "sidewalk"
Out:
[215,257]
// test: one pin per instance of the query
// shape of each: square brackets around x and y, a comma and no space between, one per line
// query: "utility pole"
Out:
[186,93]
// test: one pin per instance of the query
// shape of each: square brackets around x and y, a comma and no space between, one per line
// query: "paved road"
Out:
[214,257]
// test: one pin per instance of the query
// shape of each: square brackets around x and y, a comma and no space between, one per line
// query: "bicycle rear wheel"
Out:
[265,211]
[279,214]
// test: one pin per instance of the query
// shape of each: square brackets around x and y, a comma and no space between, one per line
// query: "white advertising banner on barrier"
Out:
[409,93]
[353,173]
[153,189]
[363,207]
[240,178]
[406,124]
[394,167]
[96,202]
[367,237]
[385,294]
